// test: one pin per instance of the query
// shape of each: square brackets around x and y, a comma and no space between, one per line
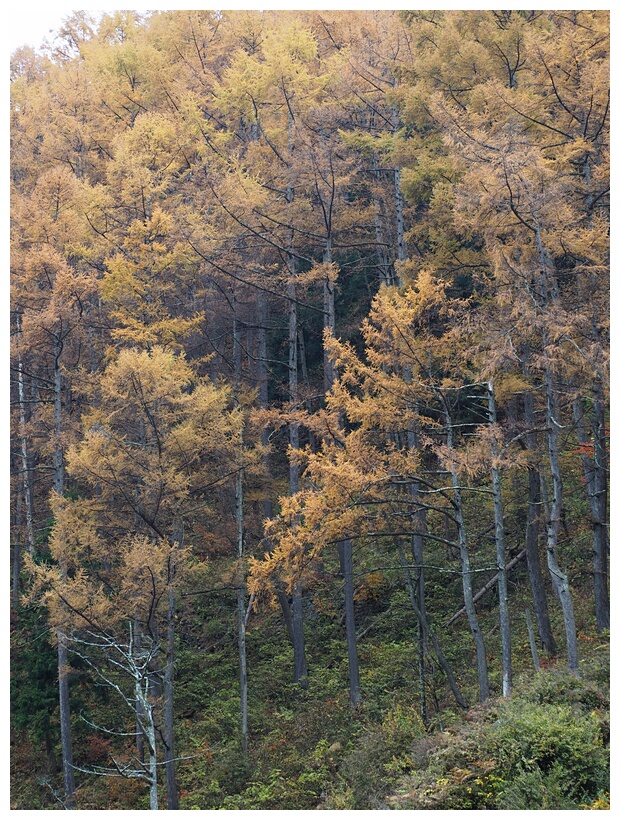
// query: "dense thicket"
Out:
[309,383]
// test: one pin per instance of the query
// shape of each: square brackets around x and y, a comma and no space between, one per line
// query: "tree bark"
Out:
[532,639]
[168,691]
[468,596]
[489,585]
[299,648]
[24,454]
[595,475]
[537,585]
[65,722]
[329,317]
[151,743]
[63,682]
[299,652]
[140,717]
[241,619]
[559,578]
[383,261]
[345,552]
[417,586]
[263,391]
[401,247]
[428,633]
[549,294]
[500,546]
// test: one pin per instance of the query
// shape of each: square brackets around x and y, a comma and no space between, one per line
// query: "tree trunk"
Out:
[400,224]
[140,716]
[16,556]
[243,674]
[329,317]
[401,247]
[532,639]
[345,552]
[383,261]
[537,585]
[65,722]
[299,649]
[63,682]
[299,652]
[150,738]
[24,456]
[559,578]
[489,585]
[549,294]
[595,475]
[426,630]
[168,690]
[500,546]
[286,610]
[263,391]
[481,661]
[417,586]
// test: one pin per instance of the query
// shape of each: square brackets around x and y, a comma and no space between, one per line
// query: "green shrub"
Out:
[545,748]
[549,753]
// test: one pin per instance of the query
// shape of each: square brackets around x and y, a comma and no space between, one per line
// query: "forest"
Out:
[309,385]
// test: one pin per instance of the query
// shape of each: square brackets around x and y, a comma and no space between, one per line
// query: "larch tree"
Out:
[156,439]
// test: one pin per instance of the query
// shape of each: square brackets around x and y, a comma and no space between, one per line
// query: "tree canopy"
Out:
[309,405]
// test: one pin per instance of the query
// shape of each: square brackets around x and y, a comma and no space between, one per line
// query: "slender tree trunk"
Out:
[140,716]
[147,708]
[263,395]
[383,261]
[243,673]
[63,665]
[329,316]
[299,650]
[345,548]
[532,639]
[58,458]
[489,585]
[17,550]
[502,583]
[286,610]
[559,577]
[65,722]
[549,295]
[400,224]
[263,390]
[401,247]
[168,691]
[595,475]
[426,630]
[470,608]
[24,454]
[601,539]
[537,586]
[417,588]
[241,619]
[345,551]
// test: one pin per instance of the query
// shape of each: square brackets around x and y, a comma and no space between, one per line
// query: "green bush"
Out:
[544,748]
[552,755]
